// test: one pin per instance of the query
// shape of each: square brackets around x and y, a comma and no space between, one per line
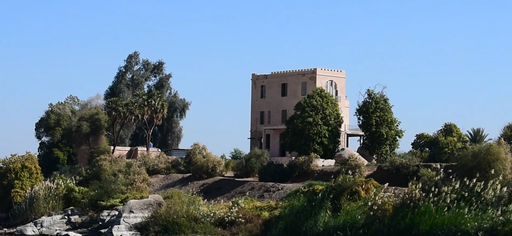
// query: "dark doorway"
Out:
[282,148]
[267,142]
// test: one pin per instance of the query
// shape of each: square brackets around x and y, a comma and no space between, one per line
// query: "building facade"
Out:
[274,95]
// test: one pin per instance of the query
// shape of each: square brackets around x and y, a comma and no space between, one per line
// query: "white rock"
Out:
[28,229]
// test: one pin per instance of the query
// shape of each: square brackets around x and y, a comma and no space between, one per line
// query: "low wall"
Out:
[318,162]
[135,152]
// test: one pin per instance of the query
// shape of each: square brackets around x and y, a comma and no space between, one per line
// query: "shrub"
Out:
[408,166]
[320,208]
[18,173]
[160,164]
[351,166]
[251,163]
[43,199]
[182,215]
[274,172]
[202,163]
[229,165]
[302,165]
[487,161]
[113,181]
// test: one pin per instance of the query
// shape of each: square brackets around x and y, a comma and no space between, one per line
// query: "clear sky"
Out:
[442,61]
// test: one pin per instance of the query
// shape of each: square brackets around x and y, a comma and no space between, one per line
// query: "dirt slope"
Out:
[228,187]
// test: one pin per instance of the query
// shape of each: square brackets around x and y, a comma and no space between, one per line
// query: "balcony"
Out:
[354,131]
[354,128]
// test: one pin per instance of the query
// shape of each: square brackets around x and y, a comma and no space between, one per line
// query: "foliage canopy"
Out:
[314,126]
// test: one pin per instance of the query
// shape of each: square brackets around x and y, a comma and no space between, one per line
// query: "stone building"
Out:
[274,95]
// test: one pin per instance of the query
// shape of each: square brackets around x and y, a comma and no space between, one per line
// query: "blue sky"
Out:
[442,61]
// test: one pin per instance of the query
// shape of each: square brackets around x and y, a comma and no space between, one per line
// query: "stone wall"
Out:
[135,152]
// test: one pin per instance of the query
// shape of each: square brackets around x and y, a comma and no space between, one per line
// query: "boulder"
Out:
[51,225]
[346,153]
[28,229]
[133,212]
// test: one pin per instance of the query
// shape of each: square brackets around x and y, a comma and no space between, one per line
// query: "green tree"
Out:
[442,146]
[236,154]
[381,129]
[18,173]
[477,136]
[120,114]
[150,110]
[315,125]
[67,129]
[506,133]
[139,76]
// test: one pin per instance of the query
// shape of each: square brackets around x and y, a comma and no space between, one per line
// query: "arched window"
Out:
[332,88]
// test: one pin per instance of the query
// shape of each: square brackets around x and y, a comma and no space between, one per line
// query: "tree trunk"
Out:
[148,140]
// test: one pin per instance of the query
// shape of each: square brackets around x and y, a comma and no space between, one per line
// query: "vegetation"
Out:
[506,133]
[236,154]
[147,83]
[250,163]
[18,174]
[376,119]
[477,136]
[485,162]
[442,146]
[202,163]
[68,129]
[314,126]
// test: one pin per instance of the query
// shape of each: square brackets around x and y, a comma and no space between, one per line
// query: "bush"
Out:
[320,208]
[487,161]
[274,172]
[408,166]
[202,163]
[251,163]
[43,199]
[18,174]
[113,181]
[302,165]
[351,166]
[160,164]
[229,165]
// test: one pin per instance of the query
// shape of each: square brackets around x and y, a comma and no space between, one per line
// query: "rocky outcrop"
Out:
[120,223]
[52,225]
[116,222]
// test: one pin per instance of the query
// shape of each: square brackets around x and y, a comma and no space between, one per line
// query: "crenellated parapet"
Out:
[304,70]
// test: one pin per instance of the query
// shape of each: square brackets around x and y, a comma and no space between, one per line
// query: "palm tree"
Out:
[477,136]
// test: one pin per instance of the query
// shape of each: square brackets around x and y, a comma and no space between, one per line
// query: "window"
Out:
[263,91]
[267,142]
[303,88]
[284,116]
[268,117]
[332,88]
[284,89]
[262,117]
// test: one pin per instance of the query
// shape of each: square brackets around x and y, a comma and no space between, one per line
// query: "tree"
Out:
[315,125]
[18,173]
[67,129]
[381,129]
[120,113]
[442,146]
[236,154]
[150,110]
[506,133]
[477,136]
[139,76]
